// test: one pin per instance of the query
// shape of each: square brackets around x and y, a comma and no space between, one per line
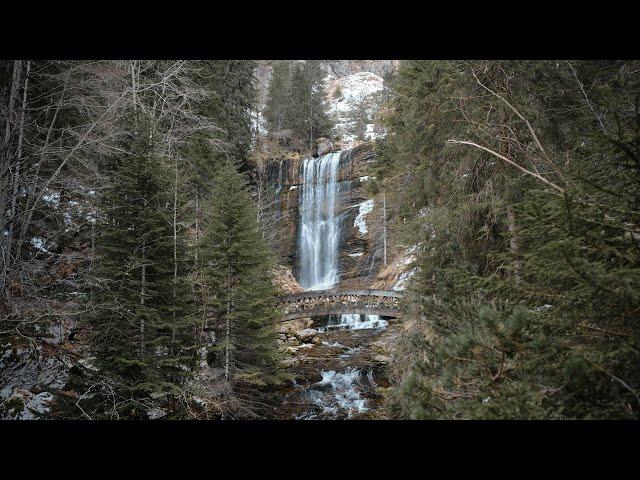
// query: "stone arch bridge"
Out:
[314,303]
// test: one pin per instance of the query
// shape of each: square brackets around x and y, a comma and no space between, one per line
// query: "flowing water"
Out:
[319,224]
[353,321]
[339,378]
[343,385]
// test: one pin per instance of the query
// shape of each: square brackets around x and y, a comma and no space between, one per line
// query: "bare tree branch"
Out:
[509,161]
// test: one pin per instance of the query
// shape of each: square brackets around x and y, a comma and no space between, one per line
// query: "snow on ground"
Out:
[260,122]
[402,280]
[406,266]
[370,132]
[52,198]
[38,243]
[356,90]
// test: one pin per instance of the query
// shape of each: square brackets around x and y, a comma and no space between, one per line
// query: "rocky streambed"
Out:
[339,373]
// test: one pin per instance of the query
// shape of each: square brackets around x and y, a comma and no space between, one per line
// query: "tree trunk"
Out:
[513,241]
[384,226]
[228,332]
[196,246]
[143,283]
[175,251]
[5,160]
[16,174]
[227,355]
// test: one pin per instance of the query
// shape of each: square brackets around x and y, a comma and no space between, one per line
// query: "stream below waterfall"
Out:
[341,374]
[340,377]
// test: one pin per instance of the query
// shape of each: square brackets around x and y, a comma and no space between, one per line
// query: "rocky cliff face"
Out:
[359,258]
[334,69]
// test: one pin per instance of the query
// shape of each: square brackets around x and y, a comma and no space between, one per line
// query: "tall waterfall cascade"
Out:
[319,240]
[319,224]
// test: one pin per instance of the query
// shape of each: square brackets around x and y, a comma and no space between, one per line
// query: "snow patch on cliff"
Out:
[356,90]
[365,207]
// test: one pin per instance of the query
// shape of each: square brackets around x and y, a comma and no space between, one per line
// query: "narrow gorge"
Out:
[338,360]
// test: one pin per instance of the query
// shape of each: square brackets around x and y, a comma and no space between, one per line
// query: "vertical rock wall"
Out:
[359,261]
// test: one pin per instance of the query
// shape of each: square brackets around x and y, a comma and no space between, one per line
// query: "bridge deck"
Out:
[311,294]
[314,303]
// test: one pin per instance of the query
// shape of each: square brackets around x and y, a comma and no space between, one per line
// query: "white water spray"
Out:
[319,224]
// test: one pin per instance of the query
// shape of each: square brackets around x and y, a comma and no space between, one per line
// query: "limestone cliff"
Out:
[360,256]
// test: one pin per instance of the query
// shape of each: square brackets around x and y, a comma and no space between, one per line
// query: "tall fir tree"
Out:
[297,102]
[230,97]
[307,108]
[231,89]
[141,329]
[277,105]
[241,293]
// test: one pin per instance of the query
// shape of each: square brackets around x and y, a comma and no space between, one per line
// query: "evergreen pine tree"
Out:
[141,336]
[230,85]
[238,268]
[278,100]
[297,102]
[308,110]
[525,302]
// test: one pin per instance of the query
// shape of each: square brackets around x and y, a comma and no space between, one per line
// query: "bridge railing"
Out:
[341,301]
[315,294]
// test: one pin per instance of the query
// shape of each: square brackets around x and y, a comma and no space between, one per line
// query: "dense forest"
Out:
[143,236]
[526,302]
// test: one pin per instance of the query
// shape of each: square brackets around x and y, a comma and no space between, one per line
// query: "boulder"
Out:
[27,376]
[25,405]
[293,326]
[290,362]
[156,413]
[293,341]
[307,335]
[323,146]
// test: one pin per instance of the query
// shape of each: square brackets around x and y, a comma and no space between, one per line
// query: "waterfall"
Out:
[319,224]
[355,322]
[318,246]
